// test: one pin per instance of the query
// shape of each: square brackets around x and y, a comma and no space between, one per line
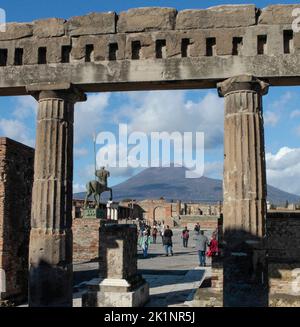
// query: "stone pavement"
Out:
[173,280]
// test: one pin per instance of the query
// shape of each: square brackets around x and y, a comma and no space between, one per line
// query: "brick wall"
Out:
[16,178]
[85,239]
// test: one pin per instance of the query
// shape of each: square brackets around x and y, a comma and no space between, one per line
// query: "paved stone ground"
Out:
[173,280]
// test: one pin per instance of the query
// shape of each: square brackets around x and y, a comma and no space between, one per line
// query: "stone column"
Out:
[244,155]
[50,253]
[109,210]
[244,187]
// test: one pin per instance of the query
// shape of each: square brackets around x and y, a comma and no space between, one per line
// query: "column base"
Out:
[245,278]
[114,293]
[210,293]
[283,282]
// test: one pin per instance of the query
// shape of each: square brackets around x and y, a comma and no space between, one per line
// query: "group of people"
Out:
[148,235]
[204,246]
[202,243]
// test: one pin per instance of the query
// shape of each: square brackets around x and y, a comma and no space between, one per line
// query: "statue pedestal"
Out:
[94,213]
[119,284]
[116,293]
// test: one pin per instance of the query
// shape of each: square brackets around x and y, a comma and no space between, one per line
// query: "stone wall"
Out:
[206,222]
[203,209]
[196,48]
[283,242]
[16,178]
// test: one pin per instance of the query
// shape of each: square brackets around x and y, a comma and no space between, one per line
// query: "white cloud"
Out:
[80,152]
[169,111]
[271,118]
[282,102]
[16,130]
[78,188]
[89,116]
[273,113]
[295,114]
[283,169]
[26,106]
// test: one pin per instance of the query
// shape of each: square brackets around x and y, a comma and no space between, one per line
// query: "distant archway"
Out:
[159,213]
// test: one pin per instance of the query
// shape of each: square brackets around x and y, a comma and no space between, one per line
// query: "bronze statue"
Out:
[97,187]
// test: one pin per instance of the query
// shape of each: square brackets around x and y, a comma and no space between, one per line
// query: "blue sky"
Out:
[137,109]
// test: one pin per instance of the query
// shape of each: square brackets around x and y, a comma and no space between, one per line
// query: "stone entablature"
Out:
[184,47]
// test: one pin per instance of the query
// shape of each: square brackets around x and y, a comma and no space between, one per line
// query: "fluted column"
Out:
[244,183]
[245,273]
[50,252]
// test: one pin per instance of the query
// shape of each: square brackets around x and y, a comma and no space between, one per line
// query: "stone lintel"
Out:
[48,86]
[242,83]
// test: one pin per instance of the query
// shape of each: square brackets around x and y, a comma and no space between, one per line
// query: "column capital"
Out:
[65,91]
[242,83]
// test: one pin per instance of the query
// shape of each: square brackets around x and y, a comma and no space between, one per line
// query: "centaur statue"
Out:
[97,187]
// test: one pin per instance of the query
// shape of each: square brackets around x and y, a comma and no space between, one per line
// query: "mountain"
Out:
[170,183]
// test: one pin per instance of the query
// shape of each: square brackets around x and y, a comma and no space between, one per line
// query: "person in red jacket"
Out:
[213,246]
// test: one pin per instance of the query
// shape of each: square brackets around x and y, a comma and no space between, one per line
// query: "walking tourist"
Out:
[197,228]
[162,231]
[148,228]
[144,243]
[213,246]
[154,234]
[201,244]
[167,241]
[185,237]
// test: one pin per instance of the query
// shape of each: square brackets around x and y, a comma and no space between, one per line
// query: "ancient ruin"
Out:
[240,50]
[16,178]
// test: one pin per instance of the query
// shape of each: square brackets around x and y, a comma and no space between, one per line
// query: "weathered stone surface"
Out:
[283,236]
[147,46]
[277,14]
[188,60]
[146,19]
[217,17]
[244,182]
[135,298]
[50,251]
[16,31]
[94,23]
[45,28]
[118,241]
[101,47]
[119,284]
[16,178]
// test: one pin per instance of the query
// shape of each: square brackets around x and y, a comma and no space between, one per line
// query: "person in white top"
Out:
[162,231]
